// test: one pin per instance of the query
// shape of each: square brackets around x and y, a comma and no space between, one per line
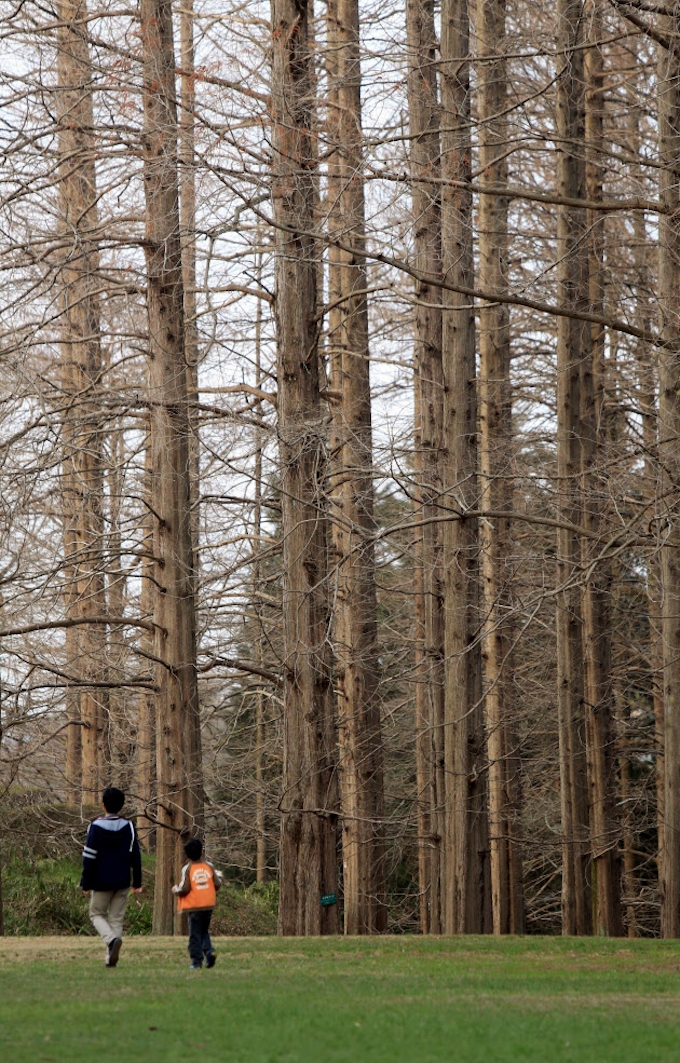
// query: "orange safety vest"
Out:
[202,893]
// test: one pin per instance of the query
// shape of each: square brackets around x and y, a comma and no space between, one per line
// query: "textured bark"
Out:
[145,760]
[572,343]
[425,149]
[2,904]
[669,455]
[187,217]
[174,617]
[629,889]
[467,907]
[647,388]
[507,893]
[597,653]
[355,636]
[81,363]
[422,724]
[308,802]
[117,753]
[261,873]
[647,394]
[74,749]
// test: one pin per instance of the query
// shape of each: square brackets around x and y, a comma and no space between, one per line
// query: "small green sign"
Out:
[327,899]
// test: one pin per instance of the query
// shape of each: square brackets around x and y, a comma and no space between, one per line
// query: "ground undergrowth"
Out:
[376,1000]
[41,847]
[41,896]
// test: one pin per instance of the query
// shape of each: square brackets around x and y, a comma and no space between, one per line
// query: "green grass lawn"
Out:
[376,1000]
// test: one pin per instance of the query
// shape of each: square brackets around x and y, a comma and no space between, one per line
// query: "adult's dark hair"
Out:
[194,848]
[113,799]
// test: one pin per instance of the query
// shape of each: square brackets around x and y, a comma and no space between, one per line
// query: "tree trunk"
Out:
[598,693]
[647,389]
[82,433]
[467,903]
[174,617]
[118,735]
[308,802]
[572,344]
[496,464]
[424,765]
[145,759]
[429,441]
[646,394]
[187,206]
[74,747]
[355,620]
[669,455]
[261,873]
[628,833]
[2,899]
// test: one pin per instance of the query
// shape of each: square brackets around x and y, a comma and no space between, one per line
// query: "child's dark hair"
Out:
[113,799]
[194,848]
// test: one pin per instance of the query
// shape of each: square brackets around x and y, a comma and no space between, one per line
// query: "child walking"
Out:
[110,856]
[196,894]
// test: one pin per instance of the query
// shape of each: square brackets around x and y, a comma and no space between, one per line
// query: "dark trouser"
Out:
[199,938]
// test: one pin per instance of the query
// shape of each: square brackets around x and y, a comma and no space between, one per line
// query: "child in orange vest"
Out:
[196,895]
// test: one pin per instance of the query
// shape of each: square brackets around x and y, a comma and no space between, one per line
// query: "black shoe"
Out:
[210,959]
[114,952]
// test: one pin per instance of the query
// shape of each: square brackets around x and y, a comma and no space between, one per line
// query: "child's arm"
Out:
[89,862]
[135,861]
[184,883]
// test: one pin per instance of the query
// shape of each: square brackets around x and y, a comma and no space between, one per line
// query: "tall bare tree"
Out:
[669,456]
[308,802]
[145,746]
[187,217]
[495,416]
[572,343]
[174,608]
[467,901]
[647,398]
[261,872]
[82,433]
[424,119]
[355,633]
[598,691]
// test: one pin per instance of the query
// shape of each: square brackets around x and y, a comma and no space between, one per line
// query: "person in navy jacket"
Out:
[110,856]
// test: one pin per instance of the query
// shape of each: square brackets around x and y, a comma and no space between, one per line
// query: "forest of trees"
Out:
[340,449]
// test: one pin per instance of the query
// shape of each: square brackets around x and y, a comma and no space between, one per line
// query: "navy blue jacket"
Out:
[111,852]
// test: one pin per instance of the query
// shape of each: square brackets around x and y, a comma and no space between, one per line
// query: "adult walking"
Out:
[110,856]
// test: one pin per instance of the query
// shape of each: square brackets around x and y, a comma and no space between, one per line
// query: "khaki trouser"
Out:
[107,911]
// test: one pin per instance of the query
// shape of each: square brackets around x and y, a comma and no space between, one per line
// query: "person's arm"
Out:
[184,882]
[135,861]
[216,875]
[89,862]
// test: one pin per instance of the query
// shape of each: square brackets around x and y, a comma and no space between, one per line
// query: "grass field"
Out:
[379,1000]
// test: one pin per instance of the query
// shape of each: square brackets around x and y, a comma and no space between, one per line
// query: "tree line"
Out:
[339,427]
